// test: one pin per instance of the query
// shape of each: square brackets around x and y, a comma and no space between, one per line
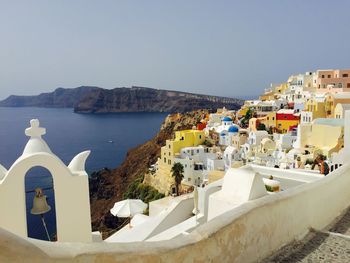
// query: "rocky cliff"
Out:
[108,186]
[135,99]
[139,99]
[60,98]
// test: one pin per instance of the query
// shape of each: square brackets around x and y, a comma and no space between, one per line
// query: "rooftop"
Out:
[329,121]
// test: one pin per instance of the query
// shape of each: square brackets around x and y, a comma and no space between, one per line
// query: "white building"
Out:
[193,171]
[231,155]
[215,119]
[226,136]
[215,164]
[255,137]
[285,141]
[306,117]
[195,161]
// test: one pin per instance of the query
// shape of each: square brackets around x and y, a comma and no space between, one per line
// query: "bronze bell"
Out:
[40,205]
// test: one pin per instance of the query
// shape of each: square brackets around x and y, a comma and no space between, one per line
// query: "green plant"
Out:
[268,188]
[261,127]
[208,142]
[178,173]
[309,161]
[270,130]
[138,190]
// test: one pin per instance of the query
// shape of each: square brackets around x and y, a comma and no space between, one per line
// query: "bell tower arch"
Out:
[40,207]
[71,190]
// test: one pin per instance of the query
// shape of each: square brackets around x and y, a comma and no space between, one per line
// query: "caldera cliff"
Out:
[136,99]
[108,186]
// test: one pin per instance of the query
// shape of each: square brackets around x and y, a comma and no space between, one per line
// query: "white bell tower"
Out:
[71,188]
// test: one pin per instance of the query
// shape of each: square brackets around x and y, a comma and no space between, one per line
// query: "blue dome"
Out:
[227,119]
[233,129]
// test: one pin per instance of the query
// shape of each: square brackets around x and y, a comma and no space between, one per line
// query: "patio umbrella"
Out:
[128,208]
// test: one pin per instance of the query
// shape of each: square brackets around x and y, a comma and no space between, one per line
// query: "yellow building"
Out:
[281,88]
[333,99]
[186,138]
[267,96]
[317,107]
[269,120]
[242,111]
[285,119]
[162,180]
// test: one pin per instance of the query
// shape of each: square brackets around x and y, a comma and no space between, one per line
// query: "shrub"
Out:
[138,190]
[268,188]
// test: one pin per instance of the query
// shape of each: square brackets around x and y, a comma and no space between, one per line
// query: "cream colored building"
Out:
[323,135]
[339,111]
[240,138]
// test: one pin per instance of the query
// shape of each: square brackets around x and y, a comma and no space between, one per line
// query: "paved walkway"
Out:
[319,246]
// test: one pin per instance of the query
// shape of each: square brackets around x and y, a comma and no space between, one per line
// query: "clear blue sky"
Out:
[228,48]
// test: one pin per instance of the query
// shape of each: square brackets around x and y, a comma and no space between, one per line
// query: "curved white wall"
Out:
[247,234]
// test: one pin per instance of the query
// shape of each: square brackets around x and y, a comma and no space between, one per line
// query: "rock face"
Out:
[135,99]
[138,99]
[60,98]
[108,186]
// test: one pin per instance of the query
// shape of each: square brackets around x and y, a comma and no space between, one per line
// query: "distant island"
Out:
[88,99]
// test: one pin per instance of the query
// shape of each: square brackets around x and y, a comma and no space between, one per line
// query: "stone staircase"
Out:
[332,245]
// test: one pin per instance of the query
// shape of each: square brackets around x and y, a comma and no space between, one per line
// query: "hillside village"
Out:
[237,187]
[298,124]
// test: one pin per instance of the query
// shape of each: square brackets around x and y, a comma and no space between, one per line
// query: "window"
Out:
[273,118]
[348,85]
[197,151]
[169,146]
[329,76]
[345,75]
[169,162]
[169,154]
[200,136]
[164,160]
[322,76]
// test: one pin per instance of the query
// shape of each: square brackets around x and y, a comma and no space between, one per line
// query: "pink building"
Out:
[332,80]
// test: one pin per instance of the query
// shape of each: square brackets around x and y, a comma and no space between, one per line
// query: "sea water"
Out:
[108,136]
